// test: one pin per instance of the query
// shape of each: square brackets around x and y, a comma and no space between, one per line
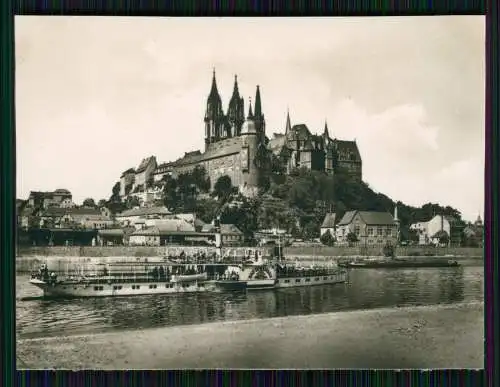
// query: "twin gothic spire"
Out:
[236,104]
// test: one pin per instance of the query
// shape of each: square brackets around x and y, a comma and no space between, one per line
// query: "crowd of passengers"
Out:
[288,271]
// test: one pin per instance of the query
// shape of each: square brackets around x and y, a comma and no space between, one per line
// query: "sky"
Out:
[95,95]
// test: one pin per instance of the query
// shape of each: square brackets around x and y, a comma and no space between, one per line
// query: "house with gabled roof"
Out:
[370,228]
[230,234]
[432,231]
[328,225]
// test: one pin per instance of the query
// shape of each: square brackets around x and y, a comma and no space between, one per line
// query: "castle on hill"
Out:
[234,145]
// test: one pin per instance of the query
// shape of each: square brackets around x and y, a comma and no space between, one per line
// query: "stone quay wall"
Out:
[290,251]
[62,258]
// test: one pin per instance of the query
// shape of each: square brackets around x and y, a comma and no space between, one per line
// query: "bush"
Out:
[327,239]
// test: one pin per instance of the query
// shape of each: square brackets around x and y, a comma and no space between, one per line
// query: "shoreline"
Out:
[432,336]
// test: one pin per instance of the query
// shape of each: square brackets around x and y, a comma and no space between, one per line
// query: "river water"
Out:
[365,289]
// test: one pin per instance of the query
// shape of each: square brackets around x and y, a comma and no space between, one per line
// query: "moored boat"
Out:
[394,263]
[108,282]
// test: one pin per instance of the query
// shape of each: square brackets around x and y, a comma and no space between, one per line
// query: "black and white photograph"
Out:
[242,193]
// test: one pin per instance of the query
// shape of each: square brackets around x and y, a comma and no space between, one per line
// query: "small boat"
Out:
[189,277]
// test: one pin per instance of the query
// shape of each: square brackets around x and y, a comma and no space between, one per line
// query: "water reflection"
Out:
[365,289]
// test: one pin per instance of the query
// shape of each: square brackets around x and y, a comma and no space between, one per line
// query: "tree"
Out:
[352,238]
[223,187]
[170,196]
[115,203]
[327,238]
[102,203]
[131,202]
[89,202]
[200,178]
[443,237]
[310,231]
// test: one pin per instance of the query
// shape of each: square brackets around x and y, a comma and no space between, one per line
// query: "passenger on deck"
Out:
[155,273]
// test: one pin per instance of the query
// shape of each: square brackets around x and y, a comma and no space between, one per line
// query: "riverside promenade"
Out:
[438,336]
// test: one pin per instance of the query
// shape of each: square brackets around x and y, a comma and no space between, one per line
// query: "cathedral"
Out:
[236,144]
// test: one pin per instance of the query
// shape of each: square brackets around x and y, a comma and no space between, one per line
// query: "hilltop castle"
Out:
[233,143]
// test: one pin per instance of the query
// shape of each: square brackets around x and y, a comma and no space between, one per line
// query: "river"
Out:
[365,289]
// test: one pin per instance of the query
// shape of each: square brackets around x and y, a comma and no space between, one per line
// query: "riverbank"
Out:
[289,251]
[441,336]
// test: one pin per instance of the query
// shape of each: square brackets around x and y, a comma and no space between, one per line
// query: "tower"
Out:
[288,126]
[235,112]
[396,221]
[214,115]
[260,122]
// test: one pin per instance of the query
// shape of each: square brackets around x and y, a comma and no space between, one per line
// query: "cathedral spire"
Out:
[325,132]
[288,126]
[258,107]
[235,89]
[250,112]
[213,91]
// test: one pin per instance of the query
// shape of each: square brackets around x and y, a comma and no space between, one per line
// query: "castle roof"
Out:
[62,191]
[144,164]
[222,148]
[299,132]
[347,147]
[128,172]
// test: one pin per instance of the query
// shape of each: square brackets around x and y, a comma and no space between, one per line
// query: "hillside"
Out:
[297,202]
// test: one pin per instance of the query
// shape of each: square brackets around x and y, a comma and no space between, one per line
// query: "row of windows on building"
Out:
[371,231]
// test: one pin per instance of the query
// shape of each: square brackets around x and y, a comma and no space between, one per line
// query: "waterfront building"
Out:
[78,217]
[168,231]
[130,217]
[230,234]
[328,225]
[370,228]
[110,237]
[430,232]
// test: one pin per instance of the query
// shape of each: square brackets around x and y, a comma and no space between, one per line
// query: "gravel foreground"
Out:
[441,336]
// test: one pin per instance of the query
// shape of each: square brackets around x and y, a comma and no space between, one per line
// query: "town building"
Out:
[39,199]
[369,227]
[168,232]
[132,216]
[230,234]
[110,237]
[432,231]
[82,217]
[328,225]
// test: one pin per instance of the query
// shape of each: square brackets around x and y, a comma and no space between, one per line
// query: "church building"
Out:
[235,145]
